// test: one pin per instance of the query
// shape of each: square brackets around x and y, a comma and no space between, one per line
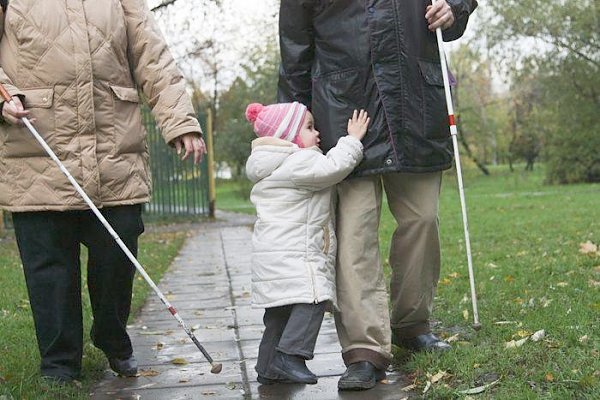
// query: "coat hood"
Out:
[267,155]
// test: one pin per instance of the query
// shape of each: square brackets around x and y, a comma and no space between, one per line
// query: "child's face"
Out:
[309,136]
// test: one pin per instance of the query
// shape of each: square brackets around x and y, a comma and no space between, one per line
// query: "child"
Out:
[294,247]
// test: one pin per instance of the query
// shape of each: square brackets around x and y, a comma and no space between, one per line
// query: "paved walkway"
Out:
[209,285]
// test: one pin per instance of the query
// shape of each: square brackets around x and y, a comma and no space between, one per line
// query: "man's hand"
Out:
[358,124]
[13,113]
[190,143]
[439,15]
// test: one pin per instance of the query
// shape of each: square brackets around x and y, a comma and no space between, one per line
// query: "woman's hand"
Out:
[13,113]
[190,143]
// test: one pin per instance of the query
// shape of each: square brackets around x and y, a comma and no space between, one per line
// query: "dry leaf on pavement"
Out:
[148,372]
[408,388]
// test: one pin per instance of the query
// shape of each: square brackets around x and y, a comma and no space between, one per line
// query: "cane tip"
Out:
[477,326]
[216,368]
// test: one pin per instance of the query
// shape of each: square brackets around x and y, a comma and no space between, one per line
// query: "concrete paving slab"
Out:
[209,283]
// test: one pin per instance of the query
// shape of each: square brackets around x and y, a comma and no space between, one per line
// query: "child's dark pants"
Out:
[291,329]
[49,244]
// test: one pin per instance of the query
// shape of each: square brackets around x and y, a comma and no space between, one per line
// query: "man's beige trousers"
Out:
[364,323]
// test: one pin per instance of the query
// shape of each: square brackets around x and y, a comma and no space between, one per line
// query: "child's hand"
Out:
[357,125]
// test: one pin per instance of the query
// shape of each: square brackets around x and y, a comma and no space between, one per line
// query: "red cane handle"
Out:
[5,94]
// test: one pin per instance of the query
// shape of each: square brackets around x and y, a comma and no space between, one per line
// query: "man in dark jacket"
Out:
[382,56]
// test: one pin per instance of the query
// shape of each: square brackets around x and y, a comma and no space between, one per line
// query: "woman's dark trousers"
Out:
[291,329]
[49,244]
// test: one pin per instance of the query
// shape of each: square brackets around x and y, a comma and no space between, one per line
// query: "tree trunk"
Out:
[470,154]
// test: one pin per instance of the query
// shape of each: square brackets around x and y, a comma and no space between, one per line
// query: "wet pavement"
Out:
[209,285]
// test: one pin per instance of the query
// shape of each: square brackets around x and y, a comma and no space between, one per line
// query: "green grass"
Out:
[530,275]
[525,239]
[234,196]
[19,360]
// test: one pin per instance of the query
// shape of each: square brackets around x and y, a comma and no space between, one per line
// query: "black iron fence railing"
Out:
[179,187]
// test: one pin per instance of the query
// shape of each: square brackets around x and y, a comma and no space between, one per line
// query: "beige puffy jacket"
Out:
[78,65]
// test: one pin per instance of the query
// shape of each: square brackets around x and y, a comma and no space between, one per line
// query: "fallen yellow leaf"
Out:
[539,335]
[479,389]
[549,377]
[435,378]
[515,343]
[408,388]
[452,338]
[588,247]
[179,361]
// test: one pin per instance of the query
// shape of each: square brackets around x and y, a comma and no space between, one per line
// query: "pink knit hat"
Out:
[283,120]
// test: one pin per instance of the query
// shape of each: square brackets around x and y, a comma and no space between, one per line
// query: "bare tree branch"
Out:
[163,4]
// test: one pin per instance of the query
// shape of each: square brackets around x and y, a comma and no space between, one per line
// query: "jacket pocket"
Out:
[126,93]
[17,141]
[129,132]
[335,95]
[435,113]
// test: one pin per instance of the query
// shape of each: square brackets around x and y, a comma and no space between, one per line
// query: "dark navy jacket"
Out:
[341,55]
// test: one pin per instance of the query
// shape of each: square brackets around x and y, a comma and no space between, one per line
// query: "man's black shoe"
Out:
[127,367]
[292,369]
[425,342]
[360,376]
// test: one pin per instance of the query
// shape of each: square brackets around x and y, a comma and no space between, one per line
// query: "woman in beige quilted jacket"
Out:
[76,67]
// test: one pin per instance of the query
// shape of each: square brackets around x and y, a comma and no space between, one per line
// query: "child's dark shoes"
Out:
[292,369]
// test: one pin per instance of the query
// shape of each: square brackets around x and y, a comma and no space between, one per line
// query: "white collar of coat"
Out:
[272,141]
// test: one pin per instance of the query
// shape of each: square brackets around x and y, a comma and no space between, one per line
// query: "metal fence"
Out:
[179,187]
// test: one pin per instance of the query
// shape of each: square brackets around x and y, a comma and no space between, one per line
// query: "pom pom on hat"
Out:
[282,120]
[253,110]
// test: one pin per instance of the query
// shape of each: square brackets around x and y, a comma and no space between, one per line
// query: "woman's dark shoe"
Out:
[292,369]
[361,375]
[425,342]
[127,367]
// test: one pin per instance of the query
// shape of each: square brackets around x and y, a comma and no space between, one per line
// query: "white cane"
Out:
[461,190]
[216,367]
